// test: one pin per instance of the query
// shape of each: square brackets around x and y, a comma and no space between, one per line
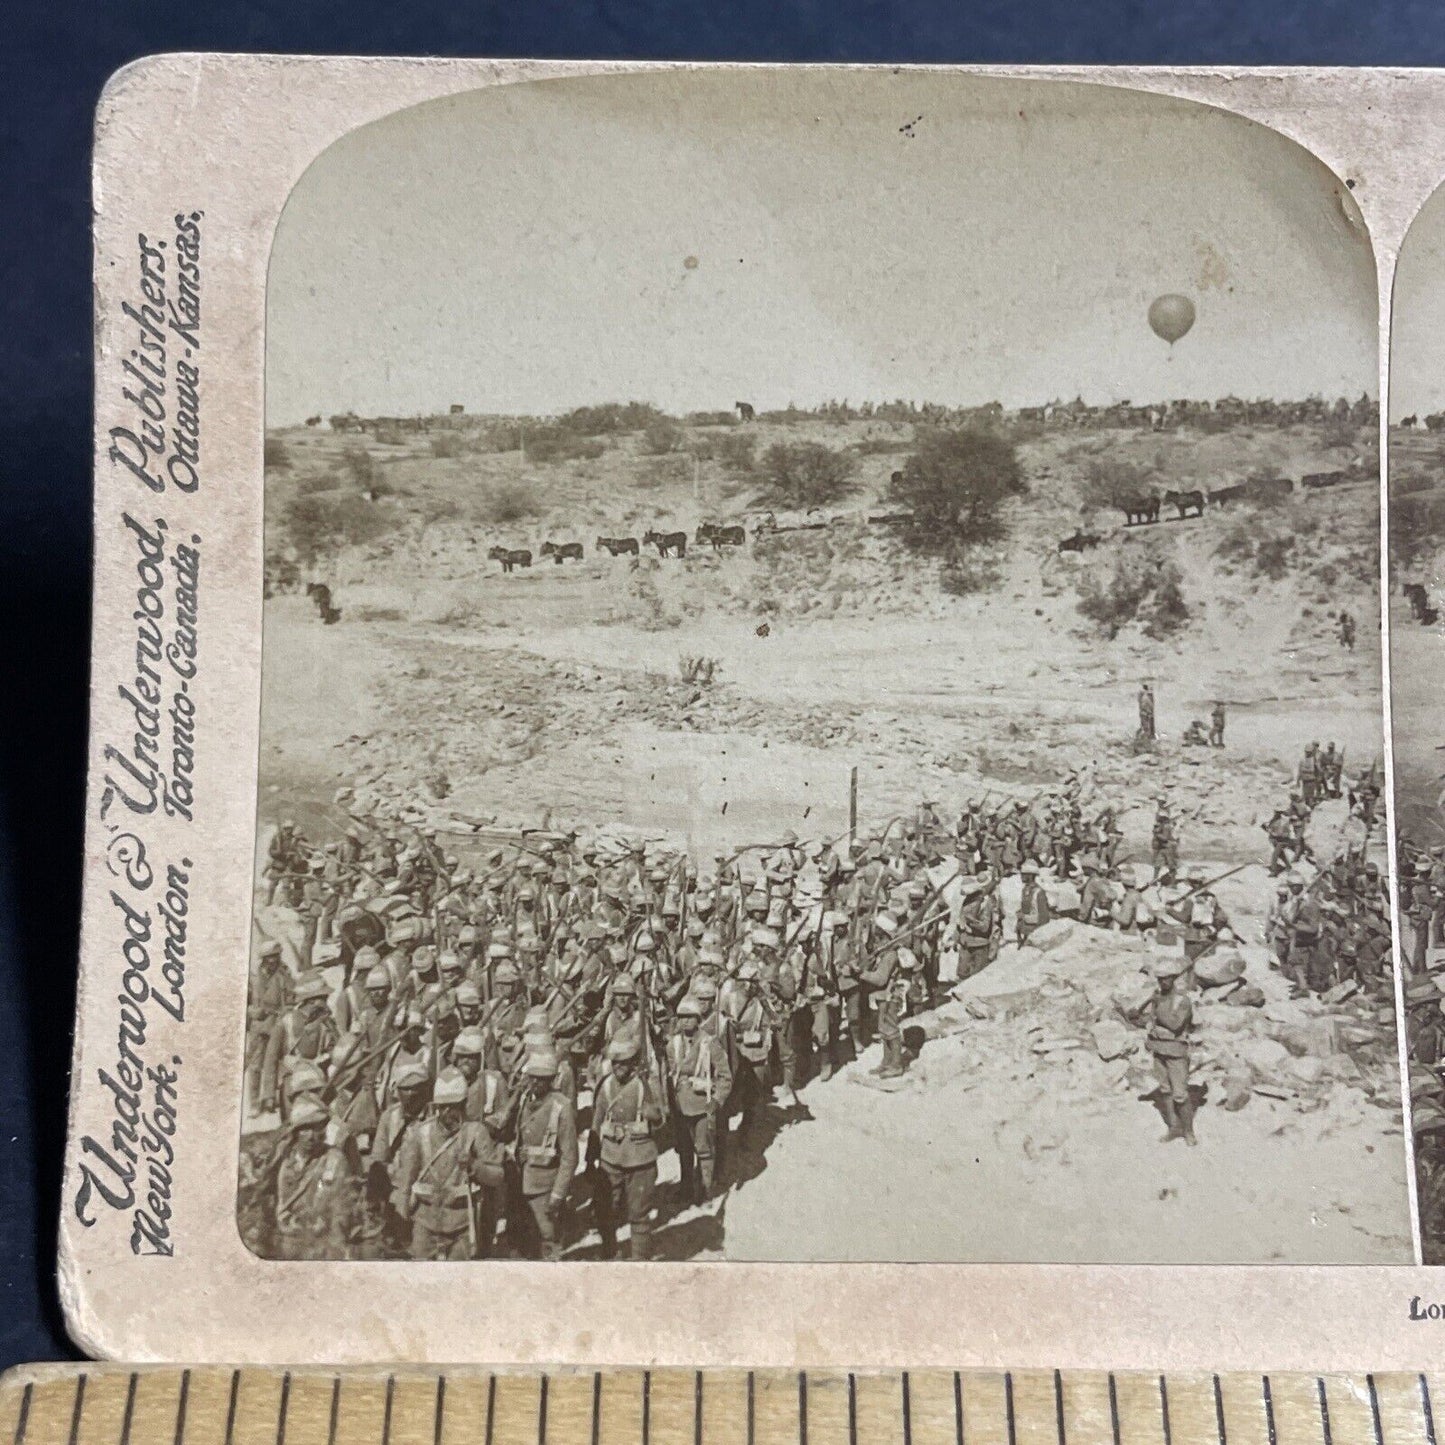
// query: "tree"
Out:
[953,486]
[805,474]
[1110,482]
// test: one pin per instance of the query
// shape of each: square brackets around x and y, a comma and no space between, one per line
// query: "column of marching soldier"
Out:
[485,1031]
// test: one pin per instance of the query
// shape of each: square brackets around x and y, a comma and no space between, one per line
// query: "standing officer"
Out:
[625,1112]
[546,1157]
[315,1193]
[701,1083]
[1172,1016]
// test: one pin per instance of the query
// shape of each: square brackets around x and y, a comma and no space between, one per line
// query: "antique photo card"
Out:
[720,683]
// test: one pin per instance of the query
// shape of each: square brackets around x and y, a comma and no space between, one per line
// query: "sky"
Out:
[696,239]
[1417,342]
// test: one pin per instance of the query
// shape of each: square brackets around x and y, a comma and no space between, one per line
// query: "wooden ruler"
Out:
[211,1405]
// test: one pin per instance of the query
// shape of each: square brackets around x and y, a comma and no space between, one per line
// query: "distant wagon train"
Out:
[667,543]
[561,552]
[617,546]
[510,557]
[710,533]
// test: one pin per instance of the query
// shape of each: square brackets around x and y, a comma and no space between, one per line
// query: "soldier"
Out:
[1281,838]
[1279,927]
[1305,921]
[315,1191]
[625,1113]
[412,1086]
[1171,1016]
[887,979]
[508,1017]
[1347,630]
[1165,844]
[1146,712]
[1034,910]
[306,1031]
[266,1004]
[1205,923]
[974,926]
[701,1082]
[1309,775]
[436,1174]
[546,1152]
[1332,765]
[1216,725]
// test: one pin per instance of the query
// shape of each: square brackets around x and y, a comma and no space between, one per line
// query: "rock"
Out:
[1313,1037]
[1111,1039]
[1308,1069]
[1052,934]
[1341,991]
[1132,997]
[1247,996]
[1218,967]
[1265,1057]
[1237,1093]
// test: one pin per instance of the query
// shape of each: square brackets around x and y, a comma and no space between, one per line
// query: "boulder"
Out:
[1237,1093]
[1051,935]
[1341,991]
[1248,995]
[1218,967]
[1265,1058]
[1313,1037]
[1307,1068]
[1112,1040]
[1132,996]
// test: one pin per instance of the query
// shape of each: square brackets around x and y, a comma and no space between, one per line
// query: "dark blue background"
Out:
[56,58]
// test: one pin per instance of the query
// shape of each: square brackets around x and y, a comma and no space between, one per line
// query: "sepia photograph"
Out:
[1417,653]
[822,686]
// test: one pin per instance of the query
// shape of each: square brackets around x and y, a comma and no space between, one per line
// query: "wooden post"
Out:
[853,804]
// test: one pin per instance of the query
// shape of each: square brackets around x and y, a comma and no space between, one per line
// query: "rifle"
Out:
[1200,887]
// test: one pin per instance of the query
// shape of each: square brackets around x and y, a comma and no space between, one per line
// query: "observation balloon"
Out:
[1171,317]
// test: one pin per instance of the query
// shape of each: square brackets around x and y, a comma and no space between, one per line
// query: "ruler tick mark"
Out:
[1114,1407]
[1008,1400]
[1429,1413]
[181,1403]
[1059,1406]
[436,1433]
[1324,1409]
[646,1406]
[492,1407]
[852,1408]
[1269,1411]
[697,1408]
[386,1418]
[129,1415]
[596,1410]
[957,1406]
[231,1406]
[752,1407]
[542,1413]
[75,1412]
[802,1407]
[335,1409]
[1164,1409]
[1219,1411]
[22,1421]
[285,1405]
[907,1396]
[1375,1410]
